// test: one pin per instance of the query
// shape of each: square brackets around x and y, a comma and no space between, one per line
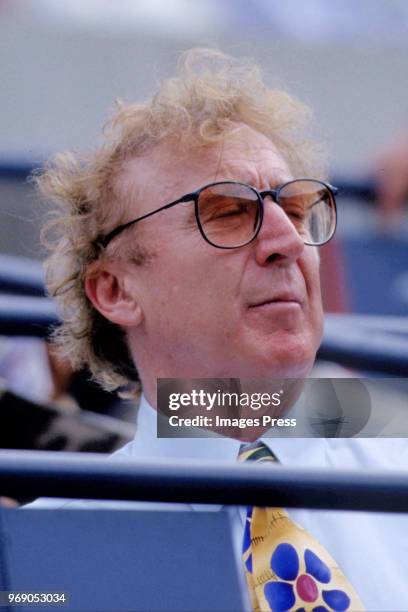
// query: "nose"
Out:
[278,239]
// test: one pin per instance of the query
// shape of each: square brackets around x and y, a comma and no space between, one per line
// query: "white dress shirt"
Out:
[370,548]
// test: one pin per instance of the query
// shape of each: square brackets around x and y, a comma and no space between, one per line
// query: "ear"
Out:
[108,286]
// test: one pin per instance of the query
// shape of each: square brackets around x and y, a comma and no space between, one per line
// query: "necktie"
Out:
[286,568]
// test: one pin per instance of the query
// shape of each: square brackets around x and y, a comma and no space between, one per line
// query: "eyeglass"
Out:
[229,214]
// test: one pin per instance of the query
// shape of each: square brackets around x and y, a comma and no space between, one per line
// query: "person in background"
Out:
[391,175]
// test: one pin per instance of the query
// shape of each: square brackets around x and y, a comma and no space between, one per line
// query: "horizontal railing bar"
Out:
[67,475]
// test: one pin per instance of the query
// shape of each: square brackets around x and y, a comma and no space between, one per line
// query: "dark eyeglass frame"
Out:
[193,197]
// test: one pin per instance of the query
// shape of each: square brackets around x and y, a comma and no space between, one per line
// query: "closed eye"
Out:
[243,208]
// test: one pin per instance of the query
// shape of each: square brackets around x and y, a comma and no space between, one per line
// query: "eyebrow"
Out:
[272,180]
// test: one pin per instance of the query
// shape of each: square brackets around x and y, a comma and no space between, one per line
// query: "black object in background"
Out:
[30,426]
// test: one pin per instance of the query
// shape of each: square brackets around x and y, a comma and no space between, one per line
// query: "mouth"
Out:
[280,300]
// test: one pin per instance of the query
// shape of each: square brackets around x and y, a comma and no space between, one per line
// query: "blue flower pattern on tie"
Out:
[281,596]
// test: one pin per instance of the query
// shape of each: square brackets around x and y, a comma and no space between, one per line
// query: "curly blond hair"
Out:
[204,102]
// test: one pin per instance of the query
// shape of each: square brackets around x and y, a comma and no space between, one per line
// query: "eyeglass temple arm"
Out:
[334,191]
[107,239]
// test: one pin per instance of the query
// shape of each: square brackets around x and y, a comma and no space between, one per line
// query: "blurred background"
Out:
[64,63]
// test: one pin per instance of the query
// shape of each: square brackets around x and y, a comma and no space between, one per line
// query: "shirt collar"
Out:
[146,445]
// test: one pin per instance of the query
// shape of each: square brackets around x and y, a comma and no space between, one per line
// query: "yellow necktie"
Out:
[286,568]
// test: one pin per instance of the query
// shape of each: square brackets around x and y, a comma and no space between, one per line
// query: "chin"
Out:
[293,357]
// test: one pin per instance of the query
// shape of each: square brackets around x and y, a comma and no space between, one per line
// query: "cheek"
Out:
[199,293]
[310,267]
[188,285]
[175,286]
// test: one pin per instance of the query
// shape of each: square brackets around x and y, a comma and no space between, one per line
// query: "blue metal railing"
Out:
[36,473]
[21,276]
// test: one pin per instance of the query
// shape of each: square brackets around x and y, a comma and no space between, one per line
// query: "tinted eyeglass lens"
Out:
[311,208]
[229,214]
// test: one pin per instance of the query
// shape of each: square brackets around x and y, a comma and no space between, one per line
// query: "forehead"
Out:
[174,169]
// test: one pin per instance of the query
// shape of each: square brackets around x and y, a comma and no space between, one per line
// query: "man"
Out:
[187,248]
